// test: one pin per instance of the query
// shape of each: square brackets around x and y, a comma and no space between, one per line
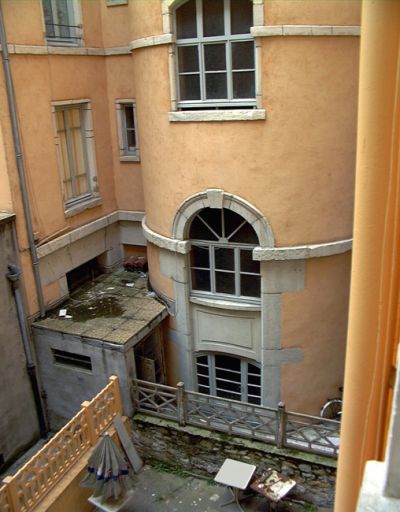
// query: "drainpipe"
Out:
[14,275]
[20,164]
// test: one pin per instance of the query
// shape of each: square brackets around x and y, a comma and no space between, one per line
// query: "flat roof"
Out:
[114,308]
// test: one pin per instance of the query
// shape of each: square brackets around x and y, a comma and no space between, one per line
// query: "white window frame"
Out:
[75,23]
[244,373]
[91,198]
[126,155]
[200,41]
[211,246]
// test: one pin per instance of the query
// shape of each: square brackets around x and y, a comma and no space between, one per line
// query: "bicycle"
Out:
[332,409]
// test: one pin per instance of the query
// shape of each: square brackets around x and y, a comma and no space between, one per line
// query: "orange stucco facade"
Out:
[287,166]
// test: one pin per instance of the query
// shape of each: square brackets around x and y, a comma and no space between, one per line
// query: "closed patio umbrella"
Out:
[108,472]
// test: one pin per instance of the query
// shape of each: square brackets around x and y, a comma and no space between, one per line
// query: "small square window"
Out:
[127,130]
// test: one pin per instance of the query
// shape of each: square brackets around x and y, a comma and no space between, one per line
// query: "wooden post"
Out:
[89,416]
[181,403]
[11,484]
[117,394]
[281,425]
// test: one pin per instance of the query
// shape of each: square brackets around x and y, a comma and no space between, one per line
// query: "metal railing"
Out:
[276,426]
[23,491]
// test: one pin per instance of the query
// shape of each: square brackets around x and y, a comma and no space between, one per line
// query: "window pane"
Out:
[215,57]
[228,375]
[188,59]
[201,280]
[131,136]
[189,87]
[213,18]
[203,380]
[202,360]
[229,386]
[243,55]
[241,16]
[199,229]
[68,190]
[216,86]
[253,390]
[129,118]
[254,400]
[243,84]
[74,117]
[228,362]
[253,370]
[224,258]
[60,120]
[186,20]
[225,283]
[254,379]
[77,151]
[200,257]
[81,185]
[204,389]
[250,286]
[246,262]
[48,18]
[245,235]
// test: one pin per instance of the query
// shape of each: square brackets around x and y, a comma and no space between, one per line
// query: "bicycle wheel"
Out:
[332,410]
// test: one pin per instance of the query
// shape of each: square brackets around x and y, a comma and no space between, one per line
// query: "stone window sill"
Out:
[130,158]
[188,116]
[78,208]
[225,304]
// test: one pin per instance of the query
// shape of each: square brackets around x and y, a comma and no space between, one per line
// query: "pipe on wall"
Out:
[20,164]
[14,275]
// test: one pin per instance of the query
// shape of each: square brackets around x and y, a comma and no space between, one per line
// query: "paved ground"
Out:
[160,491]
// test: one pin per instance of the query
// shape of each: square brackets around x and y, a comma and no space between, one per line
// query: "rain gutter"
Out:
[20,164]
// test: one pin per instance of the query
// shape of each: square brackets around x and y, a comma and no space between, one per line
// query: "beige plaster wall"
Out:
[297,166]
[158,280]
[127,175]
[24,21]
[312,12]
[316,321]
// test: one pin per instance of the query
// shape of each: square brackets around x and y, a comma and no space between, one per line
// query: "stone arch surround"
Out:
[218,198]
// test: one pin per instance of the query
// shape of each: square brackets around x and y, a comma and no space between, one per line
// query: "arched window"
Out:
[228,377]
[215,54]
[221,255]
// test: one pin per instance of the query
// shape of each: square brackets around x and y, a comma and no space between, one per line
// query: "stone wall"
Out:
[18,420]
[201,452]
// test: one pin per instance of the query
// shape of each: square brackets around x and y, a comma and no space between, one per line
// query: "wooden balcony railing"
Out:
[24,490]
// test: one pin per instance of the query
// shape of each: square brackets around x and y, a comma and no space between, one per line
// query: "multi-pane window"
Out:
[61,24]
[127,130]
[228,377]
[73,151]
[215,54]
[221,255]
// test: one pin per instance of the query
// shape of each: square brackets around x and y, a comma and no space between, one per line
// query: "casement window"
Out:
[75,147]
[62,22]
[221,256]
[215,54]
[228,377]
[127,130]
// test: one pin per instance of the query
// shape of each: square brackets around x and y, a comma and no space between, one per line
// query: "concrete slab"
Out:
[113,308]
[157,490]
